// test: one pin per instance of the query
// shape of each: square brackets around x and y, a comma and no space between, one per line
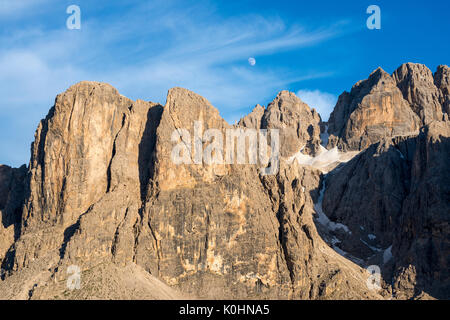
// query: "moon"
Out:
[251,61]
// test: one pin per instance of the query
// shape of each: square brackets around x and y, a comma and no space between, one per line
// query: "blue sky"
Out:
[317,49]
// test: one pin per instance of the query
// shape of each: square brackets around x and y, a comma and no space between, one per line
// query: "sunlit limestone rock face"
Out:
[123,192]
[385,106]
[253,119]
[105,196]
[198,219]
[225,231]
[374,109]
[84,187]
[299,125]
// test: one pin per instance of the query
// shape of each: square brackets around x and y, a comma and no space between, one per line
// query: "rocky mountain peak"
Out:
[288,100]
[413,73]
[184,100]
[417,85]
[378,73]
[299,125]
[104,193]
[253,119]
[374,109]
[67,155]
[442,79]
[90,86]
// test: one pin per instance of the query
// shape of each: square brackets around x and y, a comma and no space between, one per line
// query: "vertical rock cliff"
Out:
[124,191]
[374,109]
[105,195]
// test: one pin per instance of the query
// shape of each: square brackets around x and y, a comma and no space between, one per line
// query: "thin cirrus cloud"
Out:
[160,48]
[8,7]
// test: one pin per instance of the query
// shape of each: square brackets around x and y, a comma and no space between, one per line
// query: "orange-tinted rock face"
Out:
[374,109]
[388,106]
[104,193]
[299,124]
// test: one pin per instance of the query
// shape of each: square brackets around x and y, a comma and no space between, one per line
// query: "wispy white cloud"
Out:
[144,52]
[14,9]
[323,102]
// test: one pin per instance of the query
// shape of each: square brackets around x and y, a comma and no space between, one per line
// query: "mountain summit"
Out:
[102,195]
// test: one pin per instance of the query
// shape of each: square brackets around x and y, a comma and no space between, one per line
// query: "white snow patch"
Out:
[301,158]
[322,217]
[371,236]
[324,159]
[387,254]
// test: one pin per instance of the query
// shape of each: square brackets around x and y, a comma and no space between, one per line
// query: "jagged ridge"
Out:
[101,190]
